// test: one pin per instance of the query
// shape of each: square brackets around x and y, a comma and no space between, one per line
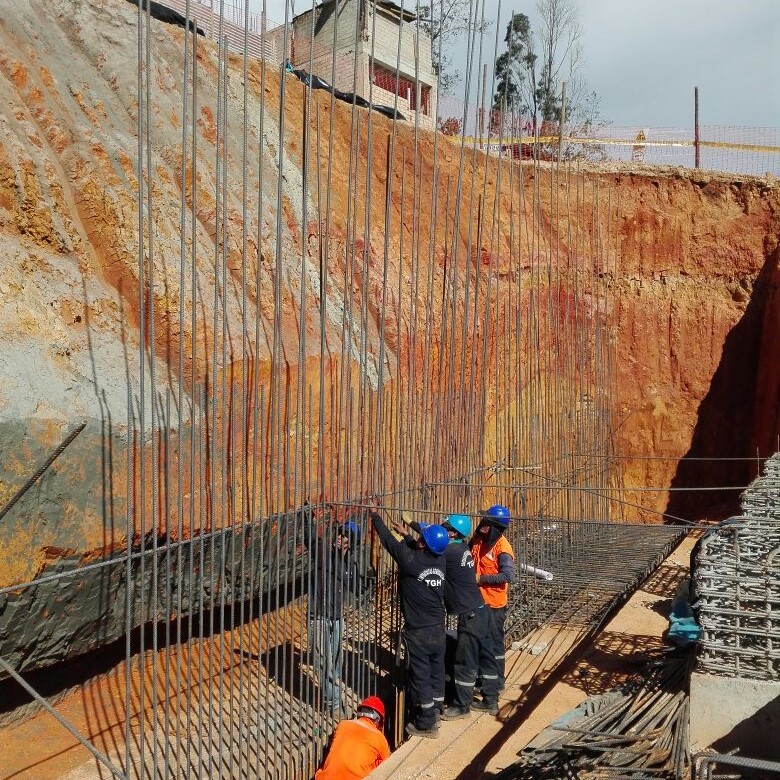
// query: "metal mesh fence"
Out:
[731,149]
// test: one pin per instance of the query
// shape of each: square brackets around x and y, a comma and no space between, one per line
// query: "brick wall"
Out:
[413,43]
[233,24]
[319,58]
[384,97]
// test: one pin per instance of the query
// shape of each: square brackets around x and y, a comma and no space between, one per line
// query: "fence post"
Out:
[561,123]
[696,125]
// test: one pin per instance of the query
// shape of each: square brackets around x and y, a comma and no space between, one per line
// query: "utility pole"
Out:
[696,125]
[482,108]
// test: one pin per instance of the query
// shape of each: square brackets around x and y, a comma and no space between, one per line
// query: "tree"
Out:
[560,50]
[516,89]
[529,73]
[443,23]
[586,121]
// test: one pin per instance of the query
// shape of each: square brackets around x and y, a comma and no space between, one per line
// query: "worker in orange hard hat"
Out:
[358,746]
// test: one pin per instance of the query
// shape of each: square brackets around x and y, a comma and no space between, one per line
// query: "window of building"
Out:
[389,80]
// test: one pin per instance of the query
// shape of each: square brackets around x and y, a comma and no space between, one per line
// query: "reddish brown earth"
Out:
[688,263]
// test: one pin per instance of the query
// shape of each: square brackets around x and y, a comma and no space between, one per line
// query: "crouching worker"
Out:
[421,571]
[358,746]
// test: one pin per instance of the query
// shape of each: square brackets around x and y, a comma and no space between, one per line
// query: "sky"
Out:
[644,59]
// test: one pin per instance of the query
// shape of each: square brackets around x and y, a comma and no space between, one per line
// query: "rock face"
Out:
[437,265]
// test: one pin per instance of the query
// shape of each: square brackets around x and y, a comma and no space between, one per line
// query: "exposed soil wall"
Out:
[690,264]
[698,309]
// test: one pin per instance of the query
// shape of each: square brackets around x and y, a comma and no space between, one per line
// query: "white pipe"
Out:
[545,575]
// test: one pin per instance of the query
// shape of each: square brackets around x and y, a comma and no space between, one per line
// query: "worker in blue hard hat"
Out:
[463,597]
[494,562]
[421,573]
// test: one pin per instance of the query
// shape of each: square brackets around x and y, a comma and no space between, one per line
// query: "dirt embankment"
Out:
[689,262]
[697,366]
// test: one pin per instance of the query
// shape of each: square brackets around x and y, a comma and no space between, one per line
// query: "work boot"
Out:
[413,731]
[485,706]
[454,713]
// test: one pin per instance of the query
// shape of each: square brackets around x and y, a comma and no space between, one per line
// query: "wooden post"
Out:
[696,125]
[562,122]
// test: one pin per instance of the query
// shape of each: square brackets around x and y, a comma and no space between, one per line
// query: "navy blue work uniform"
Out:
[421,577]
[463,597]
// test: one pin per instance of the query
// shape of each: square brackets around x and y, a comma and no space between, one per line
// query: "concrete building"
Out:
[363,38]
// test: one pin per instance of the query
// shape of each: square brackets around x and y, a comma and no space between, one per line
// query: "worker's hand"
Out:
[400,527]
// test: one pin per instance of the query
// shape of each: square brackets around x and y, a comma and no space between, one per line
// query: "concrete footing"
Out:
[729,712]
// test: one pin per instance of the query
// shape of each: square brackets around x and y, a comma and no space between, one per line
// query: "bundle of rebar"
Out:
[737,586]
[639,730]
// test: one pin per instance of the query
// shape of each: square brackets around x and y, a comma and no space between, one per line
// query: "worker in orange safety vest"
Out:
[358,746]
[494,562]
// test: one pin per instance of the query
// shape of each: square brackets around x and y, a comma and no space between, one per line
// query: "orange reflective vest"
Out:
[357,749]
[486,562]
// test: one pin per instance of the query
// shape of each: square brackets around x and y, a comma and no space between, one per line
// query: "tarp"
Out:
[167,15]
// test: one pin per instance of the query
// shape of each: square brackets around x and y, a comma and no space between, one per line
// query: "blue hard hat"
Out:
[350,528]
[500,514]
[459,523]
[435,537]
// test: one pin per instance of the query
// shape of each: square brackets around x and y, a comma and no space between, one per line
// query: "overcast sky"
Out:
[643,59]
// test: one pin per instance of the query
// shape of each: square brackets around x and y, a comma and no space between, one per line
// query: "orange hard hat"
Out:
[374,703]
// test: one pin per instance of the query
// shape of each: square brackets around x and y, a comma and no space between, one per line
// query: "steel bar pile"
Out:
[718,766]
[638,731]
[736,579]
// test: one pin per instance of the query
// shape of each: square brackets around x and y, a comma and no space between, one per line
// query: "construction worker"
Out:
[494,561]
[334,579]
[463,597]
[358,746]
[421,572]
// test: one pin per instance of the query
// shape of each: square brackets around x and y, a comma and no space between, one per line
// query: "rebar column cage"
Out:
[736,578]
